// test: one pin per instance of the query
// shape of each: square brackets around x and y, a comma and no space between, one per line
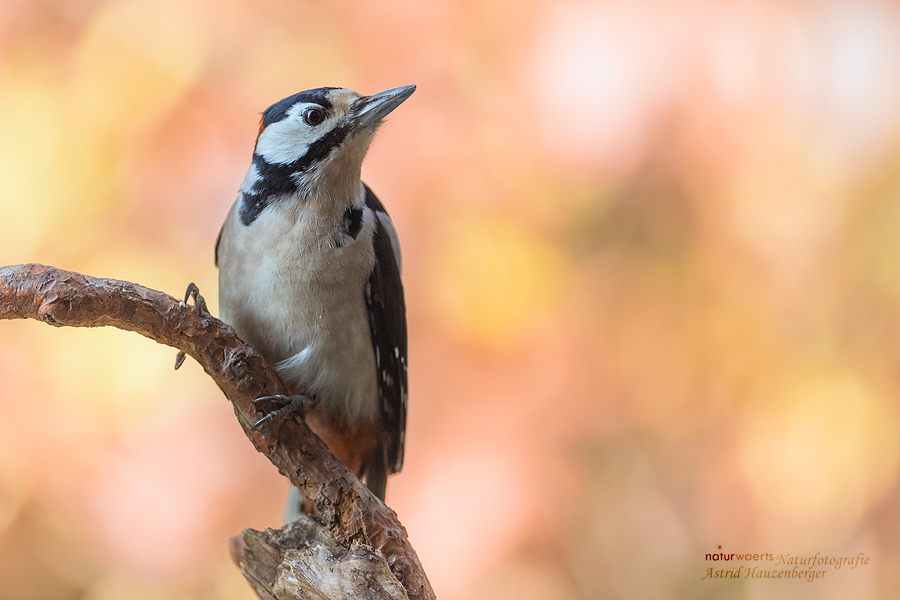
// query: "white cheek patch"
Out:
[288,140]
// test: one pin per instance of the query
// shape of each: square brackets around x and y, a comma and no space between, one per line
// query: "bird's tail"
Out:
[377,473]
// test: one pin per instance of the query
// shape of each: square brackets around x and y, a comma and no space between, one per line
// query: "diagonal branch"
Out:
[352,515]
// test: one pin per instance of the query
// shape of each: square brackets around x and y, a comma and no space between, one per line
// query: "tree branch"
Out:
[353,517]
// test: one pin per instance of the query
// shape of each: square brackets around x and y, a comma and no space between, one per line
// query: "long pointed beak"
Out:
[370,110]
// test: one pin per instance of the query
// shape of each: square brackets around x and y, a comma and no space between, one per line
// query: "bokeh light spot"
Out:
[495,277]
[821,449]
[136,57]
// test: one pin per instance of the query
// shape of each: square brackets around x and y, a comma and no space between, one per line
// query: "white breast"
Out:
[297,296]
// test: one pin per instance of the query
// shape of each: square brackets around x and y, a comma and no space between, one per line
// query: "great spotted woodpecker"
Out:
[309,275]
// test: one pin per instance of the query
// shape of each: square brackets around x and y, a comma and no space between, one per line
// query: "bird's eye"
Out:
[313,116]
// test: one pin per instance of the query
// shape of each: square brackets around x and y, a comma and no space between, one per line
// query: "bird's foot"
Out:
[200,304]
[298,404]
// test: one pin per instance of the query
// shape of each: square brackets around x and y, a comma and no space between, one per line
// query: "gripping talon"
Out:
[291,404]
[277,398]
[199,301]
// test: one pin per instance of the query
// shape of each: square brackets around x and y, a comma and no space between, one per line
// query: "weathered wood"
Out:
[353,517]
[301,560]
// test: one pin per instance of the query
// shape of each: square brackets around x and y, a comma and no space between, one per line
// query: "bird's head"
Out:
[313,143]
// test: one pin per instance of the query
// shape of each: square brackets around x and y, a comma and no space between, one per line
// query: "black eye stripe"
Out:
[277,180]
[320,148]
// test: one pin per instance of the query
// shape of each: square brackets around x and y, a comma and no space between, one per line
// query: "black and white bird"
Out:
[309,274]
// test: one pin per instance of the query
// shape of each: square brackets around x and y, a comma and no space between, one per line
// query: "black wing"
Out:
[387,322]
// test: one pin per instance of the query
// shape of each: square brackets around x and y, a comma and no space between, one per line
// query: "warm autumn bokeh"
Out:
[651,259]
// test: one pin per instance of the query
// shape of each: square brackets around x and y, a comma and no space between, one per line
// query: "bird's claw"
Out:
[200,303]
[299,404]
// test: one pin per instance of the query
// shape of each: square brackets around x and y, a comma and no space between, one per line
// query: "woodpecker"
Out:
[309,274]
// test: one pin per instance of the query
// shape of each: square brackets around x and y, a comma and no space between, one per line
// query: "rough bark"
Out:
[356,523]
[302,560]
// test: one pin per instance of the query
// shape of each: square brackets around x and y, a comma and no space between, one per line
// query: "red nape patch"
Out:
[259,133]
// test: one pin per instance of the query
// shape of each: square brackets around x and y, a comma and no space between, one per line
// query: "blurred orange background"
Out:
[650,255]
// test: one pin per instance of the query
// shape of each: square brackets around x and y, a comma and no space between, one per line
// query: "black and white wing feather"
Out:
[387,321]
